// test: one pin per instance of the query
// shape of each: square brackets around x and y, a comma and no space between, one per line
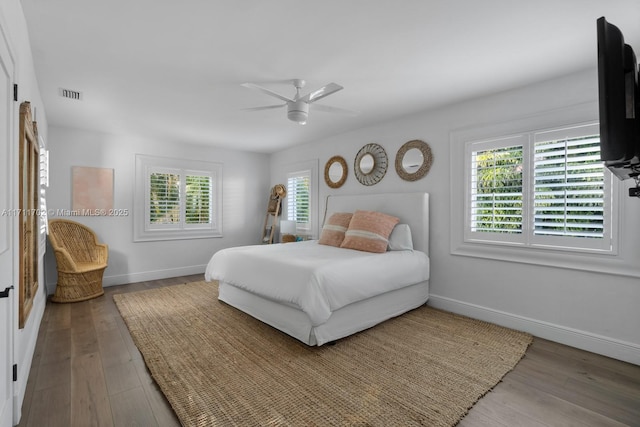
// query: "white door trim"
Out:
[7,223]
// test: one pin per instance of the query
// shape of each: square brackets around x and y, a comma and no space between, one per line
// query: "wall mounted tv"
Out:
[619,99]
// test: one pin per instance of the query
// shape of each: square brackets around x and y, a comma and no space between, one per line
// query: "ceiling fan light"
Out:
[298,112]
[298,117]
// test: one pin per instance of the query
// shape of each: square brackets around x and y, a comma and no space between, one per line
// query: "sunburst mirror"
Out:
[370,164]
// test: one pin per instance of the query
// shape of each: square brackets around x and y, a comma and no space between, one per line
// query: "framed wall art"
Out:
[92,190]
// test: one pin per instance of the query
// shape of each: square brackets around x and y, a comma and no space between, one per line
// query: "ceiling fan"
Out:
[298,106]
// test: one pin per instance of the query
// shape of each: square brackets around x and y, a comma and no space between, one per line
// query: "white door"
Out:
[7,223]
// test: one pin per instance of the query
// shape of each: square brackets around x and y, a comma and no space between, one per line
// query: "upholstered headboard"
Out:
[411,208]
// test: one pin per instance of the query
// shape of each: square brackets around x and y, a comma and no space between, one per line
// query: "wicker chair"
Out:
[81,261]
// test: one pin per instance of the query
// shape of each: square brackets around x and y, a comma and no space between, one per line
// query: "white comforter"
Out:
[316,278]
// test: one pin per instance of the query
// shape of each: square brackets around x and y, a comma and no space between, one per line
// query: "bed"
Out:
[319,293]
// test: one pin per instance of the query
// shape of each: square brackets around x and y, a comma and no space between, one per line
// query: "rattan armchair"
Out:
[80,259]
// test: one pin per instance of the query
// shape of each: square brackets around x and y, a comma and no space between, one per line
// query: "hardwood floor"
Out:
[86,371]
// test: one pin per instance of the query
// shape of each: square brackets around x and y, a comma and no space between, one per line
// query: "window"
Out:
[299,199]
[166,208]
[177,199]
[496,188]
[44,183]
[544,190]
[569,187]
[301,204]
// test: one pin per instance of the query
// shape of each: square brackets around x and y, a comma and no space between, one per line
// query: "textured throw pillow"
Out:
[400,238]
[369,231]
[334,229]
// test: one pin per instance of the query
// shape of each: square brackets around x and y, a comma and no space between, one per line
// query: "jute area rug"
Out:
[220,367]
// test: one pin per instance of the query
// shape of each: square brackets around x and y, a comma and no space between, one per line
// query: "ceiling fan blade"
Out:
[321,93]
[328,109]
[266,107]
[267,91]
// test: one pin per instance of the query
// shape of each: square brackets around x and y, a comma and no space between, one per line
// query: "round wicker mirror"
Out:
[335,171]
[413,160]
[370,164]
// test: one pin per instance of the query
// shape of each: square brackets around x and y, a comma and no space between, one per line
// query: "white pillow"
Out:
[400,238]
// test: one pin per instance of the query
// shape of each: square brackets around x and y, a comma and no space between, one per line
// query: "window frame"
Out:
[539,254]
[527,236]
[144,229]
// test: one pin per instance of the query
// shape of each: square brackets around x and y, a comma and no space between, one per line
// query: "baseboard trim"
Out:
[122,279]
[610,347]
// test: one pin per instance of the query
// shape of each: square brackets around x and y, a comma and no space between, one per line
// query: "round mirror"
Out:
[370,164]
[413,160]
[335,172]
[366,164]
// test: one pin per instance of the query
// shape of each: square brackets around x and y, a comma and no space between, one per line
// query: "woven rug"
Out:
[220,367]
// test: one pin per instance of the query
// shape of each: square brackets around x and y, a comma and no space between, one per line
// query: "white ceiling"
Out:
[172,70]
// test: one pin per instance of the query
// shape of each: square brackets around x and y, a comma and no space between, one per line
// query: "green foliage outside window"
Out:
[165,199]
[299,193]
[568,189]
[198,203]
[498,194]
[302,193]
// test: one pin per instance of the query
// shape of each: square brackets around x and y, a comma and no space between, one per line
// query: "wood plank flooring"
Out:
[86,371]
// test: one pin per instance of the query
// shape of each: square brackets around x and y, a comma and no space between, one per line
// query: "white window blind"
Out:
[496,190]
[44,183]
[299,199]
[198,208]
[179,198]
[545,189]
[164,198]
[175,202]
[569,188]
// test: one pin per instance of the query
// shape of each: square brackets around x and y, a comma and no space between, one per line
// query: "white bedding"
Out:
[316,278]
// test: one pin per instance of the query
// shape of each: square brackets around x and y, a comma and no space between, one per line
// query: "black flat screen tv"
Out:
[619,102]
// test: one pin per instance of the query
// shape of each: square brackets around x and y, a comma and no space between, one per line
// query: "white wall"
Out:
[593,311]
[14,26]
[245,194]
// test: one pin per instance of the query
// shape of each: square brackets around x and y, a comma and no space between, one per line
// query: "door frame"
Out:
[8,248]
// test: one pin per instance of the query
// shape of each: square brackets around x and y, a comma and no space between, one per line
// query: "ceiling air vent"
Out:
[71,94]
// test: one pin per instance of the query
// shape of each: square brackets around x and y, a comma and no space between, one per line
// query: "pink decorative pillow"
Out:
[334,229]
[369,231]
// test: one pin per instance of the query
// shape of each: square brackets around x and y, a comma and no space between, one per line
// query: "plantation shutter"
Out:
[198,190]
[299,199]
[496,204]
[545,189]
[44,183]
[164,197]
[569,186]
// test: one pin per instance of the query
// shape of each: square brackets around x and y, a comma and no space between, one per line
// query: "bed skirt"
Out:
[343,322]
